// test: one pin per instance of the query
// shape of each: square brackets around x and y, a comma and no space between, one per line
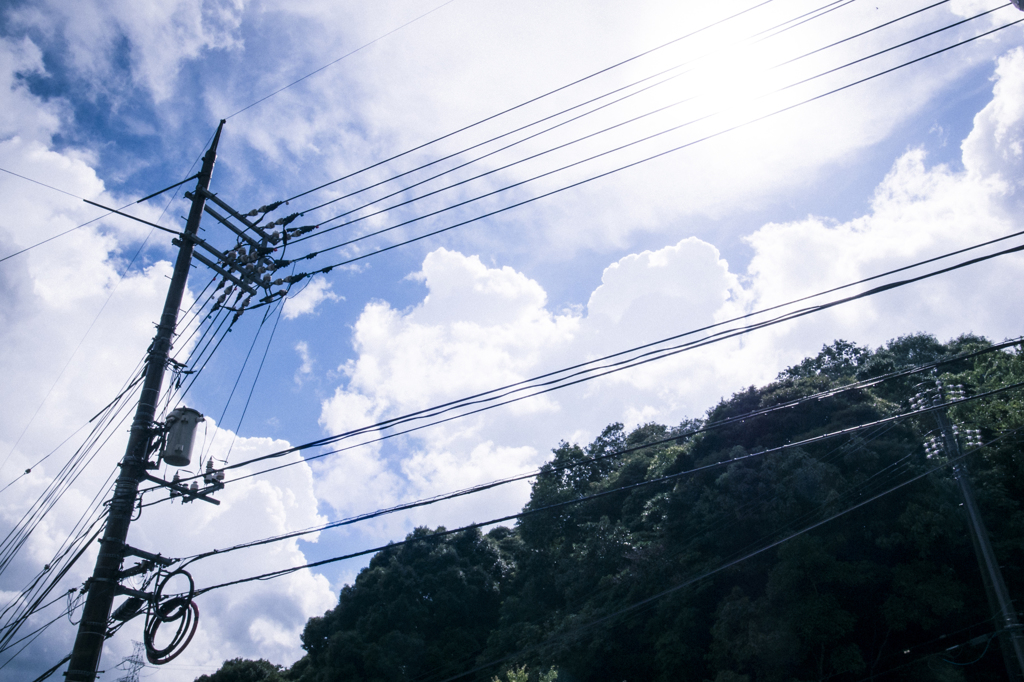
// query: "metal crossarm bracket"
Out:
[186,493]
[213,266]
[148,556]
[227,223]
[121,589]
[234,214]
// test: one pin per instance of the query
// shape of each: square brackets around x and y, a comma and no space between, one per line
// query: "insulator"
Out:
[269,207]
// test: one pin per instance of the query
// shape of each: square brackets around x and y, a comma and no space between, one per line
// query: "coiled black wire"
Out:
[181,609]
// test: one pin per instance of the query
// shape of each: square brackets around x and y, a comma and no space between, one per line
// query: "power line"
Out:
[586,498]
[120,279]
[783,26]
[588,136]
[528,102]
[604,174]
[675,437]
[592,372]
[41,184]
[344,56]
[255,379]
[729,564]
[110,211]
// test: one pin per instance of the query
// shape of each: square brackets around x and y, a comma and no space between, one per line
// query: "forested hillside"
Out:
[705,560]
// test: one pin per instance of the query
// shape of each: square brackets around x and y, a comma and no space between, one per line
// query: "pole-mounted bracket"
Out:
[148,556]
[187,494]
[234,214]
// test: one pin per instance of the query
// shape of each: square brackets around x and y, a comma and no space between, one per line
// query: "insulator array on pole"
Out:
[972,438]
[932,447]
[938,394]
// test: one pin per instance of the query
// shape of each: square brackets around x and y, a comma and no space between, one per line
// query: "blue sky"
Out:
[111,101]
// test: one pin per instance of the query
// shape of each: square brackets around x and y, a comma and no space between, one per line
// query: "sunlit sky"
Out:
[737,156]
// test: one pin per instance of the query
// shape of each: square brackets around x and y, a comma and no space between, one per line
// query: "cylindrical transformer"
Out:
[181,435]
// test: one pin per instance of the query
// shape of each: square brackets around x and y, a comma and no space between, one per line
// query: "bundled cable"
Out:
[181,610]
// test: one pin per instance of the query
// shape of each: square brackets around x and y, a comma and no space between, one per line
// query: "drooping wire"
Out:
[674,437]
[784,26]
[646,602]
[591,370]
[113,290]
[670,439]
[252,388]
[67,475]
[241,371]
[344,56]
[604,174]
[615,126]
[633,486]
[78,540]
[530,101]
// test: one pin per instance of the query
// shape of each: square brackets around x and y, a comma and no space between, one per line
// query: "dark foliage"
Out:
[243,670]
[422,608]
[753,570]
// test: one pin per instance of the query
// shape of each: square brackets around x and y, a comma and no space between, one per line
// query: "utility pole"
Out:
[103,586]
[1004,616]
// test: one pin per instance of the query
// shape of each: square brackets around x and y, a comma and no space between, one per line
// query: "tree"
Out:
[737,569]
[420,609]
[244,670]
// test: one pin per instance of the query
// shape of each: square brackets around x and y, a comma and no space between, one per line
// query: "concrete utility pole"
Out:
[103,586]
[1008,627]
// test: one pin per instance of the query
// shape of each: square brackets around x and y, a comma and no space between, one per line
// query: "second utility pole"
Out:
[1008,627]
[102,586]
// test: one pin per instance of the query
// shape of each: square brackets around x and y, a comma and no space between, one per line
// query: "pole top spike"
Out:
[216,136]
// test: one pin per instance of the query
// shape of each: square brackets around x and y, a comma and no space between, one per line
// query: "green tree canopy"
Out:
[733,570]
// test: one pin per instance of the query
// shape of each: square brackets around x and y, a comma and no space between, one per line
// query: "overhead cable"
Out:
[344,56]
[784,26]
[320,231]
[591,370]
[615,491]
[674,437]
[729,564]
[529,101]
[604,174]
